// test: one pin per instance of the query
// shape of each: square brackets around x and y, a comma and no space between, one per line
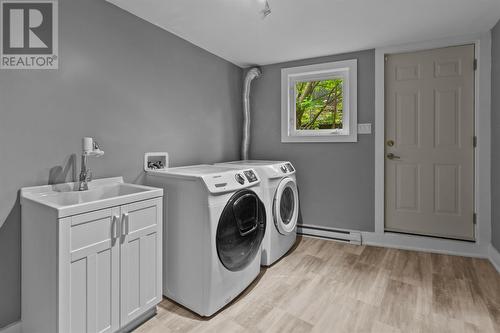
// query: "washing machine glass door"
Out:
[286,206]
[240,230]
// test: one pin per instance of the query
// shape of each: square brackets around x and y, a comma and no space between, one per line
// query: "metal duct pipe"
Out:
[252,73]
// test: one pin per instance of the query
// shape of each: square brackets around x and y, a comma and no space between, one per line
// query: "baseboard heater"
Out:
[351,237]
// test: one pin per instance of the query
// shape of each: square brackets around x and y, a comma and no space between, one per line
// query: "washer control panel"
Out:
[231,180]
[251,176]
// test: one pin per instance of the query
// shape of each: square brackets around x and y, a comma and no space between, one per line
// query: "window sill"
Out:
[319,138]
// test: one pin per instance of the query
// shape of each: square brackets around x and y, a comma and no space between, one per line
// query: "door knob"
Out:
[391,156]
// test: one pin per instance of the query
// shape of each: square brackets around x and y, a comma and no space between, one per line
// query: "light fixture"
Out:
[267,9]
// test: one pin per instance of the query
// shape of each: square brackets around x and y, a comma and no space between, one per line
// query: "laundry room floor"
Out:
[327,286]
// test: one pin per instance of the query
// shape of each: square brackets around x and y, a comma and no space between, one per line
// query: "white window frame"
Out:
[347,70]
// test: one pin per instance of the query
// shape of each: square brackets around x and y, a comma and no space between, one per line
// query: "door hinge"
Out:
[475,64]
[474,141]
[474,218]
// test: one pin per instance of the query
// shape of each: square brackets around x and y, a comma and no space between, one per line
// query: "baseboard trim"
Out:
[12,328]
[425,244]
[352,237]
[139,321]
[494,257]
[17,327]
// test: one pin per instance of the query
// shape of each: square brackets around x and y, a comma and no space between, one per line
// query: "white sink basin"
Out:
[102,193]
[68,198]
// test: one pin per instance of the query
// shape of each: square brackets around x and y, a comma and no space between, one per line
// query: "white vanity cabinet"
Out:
[89,264]
[141,260]
[98,271]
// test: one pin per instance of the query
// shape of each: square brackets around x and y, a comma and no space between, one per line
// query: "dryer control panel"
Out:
[231,180]
[282,169]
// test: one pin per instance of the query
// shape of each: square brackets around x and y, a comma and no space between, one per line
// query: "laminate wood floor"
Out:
[327,286]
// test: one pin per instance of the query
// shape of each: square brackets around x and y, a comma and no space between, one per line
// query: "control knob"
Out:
[239,178]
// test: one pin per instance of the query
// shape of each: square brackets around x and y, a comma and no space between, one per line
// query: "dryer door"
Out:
[286,206]
[240,230]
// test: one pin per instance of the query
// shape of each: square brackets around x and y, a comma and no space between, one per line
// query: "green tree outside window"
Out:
[319,104]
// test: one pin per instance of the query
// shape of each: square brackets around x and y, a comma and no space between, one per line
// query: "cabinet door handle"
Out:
[125,224]
[114,227]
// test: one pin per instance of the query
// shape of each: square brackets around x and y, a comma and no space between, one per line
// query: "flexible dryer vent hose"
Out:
[252,73]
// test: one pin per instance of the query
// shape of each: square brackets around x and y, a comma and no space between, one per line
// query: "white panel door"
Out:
[94,272]
[141,265]
[429,168]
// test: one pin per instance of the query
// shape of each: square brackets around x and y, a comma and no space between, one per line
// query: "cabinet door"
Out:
[93,271]
[141,266]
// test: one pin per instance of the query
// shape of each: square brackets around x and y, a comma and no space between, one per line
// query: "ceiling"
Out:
[236,30]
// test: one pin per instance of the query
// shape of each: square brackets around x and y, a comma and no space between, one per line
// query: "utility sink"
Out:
[102,193]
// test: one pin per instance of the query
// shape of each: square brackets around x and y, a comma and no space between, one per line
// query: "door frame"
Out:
[482,162]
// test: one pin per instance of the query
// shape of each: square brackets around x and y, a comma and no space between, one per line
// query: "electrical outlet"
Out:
[365,128]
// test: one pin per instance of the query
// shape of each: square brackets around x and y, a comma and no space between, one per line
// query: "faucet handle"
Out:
[96,149]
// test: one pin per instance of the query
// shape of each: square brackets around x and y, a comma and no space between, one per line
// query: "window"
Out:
[319,103]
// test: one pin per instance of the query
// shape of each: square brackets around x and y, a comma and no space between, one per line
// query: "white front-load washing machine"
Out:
[214,223]
[281,199]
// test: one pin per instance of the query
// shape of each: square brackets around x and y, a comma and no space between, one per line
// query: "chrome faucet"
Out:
[85,174]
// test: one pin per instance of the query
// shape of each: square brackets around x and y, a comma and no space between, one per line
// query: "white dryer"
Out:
[214,223]
[281,199]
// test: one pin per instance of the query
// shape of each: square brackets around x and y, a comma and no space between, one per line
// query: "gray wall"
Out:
[336,180]
[495,137]
[134,87]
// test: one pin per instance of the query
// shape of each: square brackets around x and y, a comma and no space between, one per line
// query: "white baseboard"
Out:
[352,237]
[494,257]
[424,244]
[12,328]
